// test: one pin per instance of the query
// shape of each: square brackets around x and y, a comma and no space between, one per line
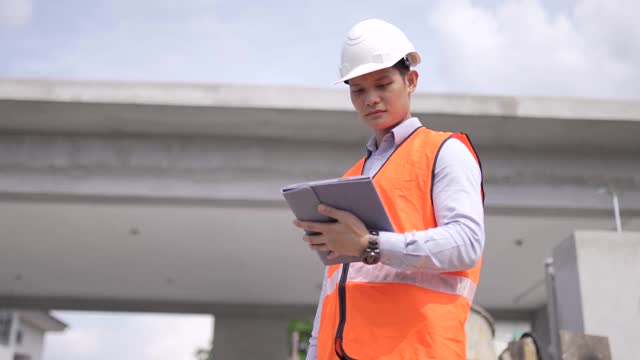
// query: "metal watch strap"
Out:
[371,255]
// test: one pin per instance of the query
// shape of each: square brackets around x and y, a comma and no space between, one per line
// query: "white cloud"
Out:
[15,12]
[106,336]
[518,48]
[588,48]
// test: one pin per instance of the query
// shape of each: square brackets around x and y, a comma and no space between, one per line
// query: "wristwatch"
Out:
[371,255]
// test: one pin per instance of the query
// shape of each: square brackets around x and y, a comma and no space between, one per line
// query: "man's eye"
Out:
[356,91]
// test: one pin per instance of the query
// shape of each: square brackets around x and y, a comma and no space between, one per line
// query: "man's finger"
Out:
[315,239]
[309,226]
[334,213]
[319,247]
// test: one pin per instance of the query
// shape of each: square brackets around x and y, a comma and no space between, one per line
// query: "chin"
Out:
[380,123]
[376,124]
[383,124]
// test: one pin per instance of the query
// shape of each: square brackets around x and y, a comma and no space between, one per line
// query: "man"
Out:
[410,296]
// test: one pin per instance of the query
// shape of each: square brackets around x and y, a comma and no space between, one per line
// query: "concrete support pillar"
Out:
[243,337]
[540,328]
[597,288]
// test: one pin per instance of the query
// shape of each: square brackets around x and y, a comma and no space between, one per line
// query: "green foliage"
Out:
[304,329]
[203,354]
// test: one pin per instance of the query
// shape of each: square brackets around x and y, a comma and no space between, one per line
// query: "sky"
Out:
[124,336]
[551,48]
[586,48]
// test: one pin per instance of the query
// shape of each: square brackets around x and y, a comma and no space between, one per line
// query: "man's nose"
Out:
[372,99]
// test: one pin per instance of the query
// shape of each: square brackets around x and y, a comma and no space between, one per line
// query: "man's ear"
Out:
[412,80]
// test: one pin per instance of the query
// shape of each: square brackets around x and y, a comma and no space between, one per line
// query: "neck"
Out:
[382,132]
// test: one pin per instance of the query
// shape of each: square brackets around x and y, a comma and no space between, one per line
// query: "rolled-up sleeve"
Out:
[457,242]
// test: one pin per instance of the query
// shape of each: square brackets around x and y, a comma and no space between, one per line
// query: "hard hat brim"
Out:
[414,59]
[362,70]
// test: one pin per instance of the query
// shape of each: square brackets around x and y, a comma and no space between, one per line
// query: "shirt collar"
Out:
[399,133]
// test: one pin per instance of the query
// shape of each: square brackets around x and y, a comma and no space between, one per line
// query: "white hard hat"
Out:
[373,45]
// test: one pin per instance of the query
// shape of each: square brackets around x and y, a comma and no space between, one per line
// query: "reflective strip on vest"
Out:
[446,283]
[332,282]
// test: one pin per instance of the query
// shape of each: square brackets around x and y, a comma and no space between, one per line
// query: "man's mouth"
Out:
[375,112]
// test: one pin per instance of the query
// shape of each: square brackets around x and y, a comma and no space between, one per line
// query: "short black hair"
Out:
[403,66]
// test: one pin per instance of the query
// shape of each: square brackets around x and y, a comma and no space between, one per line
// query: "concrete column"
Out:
[243,337]
[540,328]
[597,287]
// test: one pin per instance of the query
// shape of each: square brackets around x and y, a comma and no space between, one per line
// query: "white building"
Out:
[22,333]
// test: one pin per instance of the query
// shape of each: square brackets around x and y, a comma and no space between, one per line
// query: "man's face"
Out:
[381,98]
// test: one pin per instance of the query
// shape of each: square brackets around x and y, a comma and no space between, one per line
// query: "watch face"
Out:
[371,259]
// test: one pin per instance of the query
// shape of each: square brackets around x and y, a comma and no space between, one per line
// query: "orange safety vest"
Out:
[379,312]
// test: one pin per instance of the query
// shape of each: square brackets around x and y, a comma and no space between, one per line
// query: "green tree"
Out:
[304,329]
[203,354]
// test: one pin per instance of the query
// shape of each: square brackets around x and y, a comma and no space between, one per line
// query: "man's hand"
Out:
[348,236]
